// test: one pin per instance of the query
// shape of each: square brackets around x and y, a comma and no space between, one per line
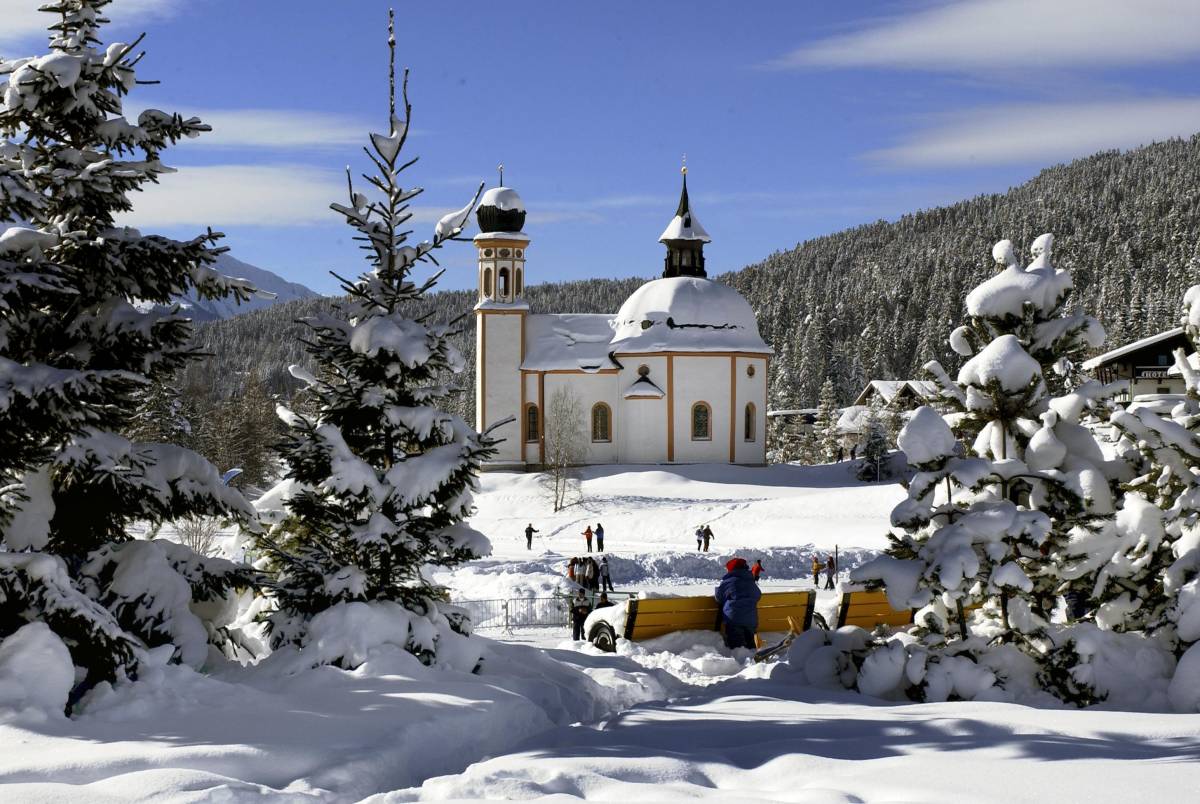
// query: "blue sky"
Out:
[798,119]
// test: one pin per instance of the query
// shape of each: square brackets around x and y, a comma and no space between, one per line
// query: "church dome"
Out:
[500,210]
[685,313]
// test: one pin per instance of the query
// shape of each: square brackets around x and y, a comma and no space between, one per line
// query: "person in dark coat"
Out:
[579,612]
[738,595]
[708,534]
[599,537]
[587,537]
[529,531]
[699,537]
[603,601]
[830,571]
[758,569]
[606,583]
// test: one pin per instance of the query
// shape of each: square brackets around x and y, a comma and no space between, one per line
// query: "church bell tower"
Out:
[684,238]
[500,322]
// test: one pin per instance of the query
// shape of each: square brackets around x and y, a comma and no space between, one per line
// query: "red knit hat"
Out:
[734,563]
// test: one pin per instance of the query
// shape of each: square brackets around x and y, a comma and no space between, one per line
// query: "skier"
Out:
[816,571]
[758,569]
[579,612]
[605,579]
[599,537]
[708,534]
[529,531]
[830,571]
[587,537]
[738,595]
[699,537]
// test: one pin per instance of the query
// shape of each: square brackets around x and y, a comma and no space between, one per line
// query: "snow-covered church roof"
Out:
[684,226]
[685,313]
[567,341]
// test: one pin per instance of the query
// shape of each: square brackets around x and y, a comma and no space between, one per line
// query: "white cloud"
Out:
[276,128]
[230,195]
[989,35]
[23,25]
[1042,132]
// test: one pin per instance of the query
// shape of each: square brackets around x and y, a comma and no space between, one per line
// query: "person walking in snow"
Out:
[830,571]
[579,612]
[587,537]
[599,537]
[738,595]
[708,534]
[817,566]
[571,569]
[699,537]
[529,531]
[605,579]
[758,569]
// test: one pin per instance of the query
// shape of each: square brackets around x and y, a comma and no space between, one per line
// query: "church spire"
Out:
[684,238]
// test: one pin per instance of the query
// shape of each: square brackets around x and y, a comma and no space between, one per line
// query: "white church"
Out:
[678,375]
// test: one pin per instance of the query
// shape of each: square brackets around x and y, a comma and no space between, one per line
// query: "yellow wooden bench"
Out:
[869,608]
[653,617]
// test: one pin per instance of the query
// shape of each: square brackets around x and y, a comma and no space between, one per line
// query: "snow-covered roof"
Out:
[492,304]
[925,390]
[684,313]
[685,227]
[1108,357]
[501,236]
[644,387]
[505,198]
[792,412]
[567,341]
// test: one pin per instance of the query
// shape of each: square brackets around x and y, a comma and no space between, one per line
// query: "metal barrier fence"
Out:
[524,612]
[521,612]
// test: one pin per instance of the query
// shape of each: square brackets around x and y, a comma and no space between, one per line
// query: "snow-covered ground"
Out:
[677,717]
[781,514]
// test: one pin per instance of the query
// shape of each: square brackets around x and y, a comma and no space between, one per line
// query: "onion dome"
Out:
[500,210]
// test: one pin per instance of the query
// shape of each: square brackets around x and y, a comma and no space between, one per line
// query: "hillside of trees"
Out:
[871,302]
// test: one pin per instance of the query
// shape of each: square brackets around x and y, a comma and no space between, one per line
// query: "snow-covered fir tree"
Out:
[379,479]
[77,350]
[825,434]
[998,528]
[874,463]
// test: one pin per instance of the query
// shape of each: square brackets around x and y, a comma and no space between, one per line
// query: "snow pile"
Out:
[36,674]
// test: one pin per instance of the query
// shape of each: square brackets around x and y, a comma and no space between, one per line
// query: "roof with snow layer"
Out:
[567,341]
[1108,357]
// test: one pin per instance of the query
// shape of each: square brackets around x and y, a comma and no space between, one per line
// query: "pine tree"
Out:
[77,354]
[1003,527]
[380,479]
[875,445]
[825,433]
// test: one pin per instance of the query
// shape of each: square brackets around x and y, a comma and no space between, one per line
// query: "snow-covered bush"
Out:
[77,347]
[378,480]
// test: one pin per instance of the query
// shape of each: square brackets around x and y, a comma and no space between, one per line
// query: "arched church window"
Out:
[601,422]
[751,422]
[503,277]
[518,280]
[531,423]
[487,281]
[701,422]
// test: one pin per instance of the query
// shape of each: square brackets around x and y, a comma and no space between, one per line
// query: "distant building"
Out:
[1146,366]
[677,375]
[900,396]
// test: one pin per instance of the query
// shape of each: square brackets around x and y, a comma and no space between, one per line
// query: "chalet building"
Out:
[677,375]
[1145,366]
[896,395]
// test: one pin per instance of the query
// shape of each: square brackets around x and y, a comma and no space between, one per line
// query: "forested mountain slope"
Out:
[879,300]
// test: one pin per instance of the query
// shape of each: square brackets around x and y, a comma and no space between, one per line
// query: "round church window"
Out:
[518,252]
[487,252]
[750,371]
[503,252]
[643,370]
